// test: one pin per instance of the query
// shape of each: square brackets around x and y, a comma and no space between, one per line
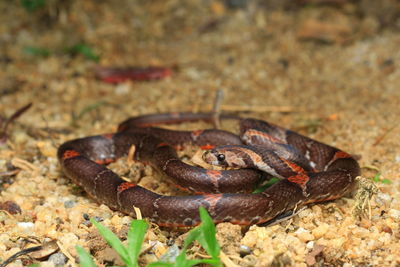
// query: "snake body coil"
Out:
[310,171]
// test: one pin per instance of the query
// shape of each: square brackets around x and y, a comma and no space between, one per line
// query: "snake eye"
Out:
[220,157]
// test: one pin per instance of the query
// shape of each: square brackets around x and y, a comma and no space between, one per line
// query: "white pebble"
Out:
[301,230]
[395,214]
[310,245]
[383,199]
[25,224]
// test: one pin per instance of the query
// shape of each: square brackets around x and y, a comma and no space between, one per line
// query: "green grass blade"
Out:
[160,264]
[207,238]
[36,51]
[33,5]
[135,238]
[192,236]
[84,257]
[84,50]
[262,188]
[114,242]
[205,234]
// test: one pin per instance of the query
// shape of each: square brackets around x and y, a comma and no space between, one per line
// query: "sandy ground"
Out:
[341,87]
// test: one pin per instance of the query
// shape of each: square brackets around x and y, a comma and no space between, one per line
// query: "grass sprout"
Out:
[204,234]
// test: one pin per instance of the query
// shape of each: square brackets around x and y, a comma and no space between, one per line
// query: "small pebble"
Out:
[25,224]
[320,230]
[395,214]
[86,216]
[387,229]
[244,250]
[383,199]
[58,259]
[69,204]
[171,254]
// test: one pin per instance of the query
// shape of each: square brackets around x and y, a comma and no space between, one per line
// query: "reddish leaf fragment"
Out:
[118,75]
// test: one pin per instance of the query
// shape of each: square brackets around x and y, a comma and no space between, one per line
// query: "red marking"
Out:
[214,174]
[182,188]
[70,154]
[212,198]
[124,186]
[258,134]
[300,179]
[108,136]
[197,133]
[296,168]
[104,161]
[341,155]
[162,144]
[207,147]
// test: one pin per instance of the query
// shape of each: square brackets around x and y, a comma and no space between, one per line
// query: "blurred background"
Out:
[326,68]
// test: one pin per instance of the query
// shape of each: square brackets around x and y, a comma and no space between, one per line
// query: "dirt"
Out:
[330,71]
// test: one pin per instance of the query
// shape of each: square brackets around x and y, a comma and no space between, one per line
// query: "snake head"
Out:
[224,157]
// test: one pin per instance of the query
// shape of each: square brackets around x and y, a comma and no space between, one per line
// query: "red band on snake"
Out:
[309,171]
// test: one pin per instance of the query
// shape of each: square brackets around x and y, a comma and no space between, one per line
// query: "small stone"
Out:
[394,214]
[387,229]
[338,242]
[69,204]
[170,254]
[47,149]
[25,224]
[321,230]
[383,199]
[158,248]
[244,250]
[116,220]
[58,259]
[304,235]
[310,245]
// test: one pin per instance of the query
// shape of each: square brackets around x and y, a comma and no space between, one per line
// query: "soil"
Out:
[327,69]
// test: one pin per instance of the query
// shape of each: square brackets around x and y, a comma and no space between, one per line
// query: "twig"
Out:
[20,253]
[219,96]
[9,173]
[138,213]
[67,254]
[382,136]
[13,117]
